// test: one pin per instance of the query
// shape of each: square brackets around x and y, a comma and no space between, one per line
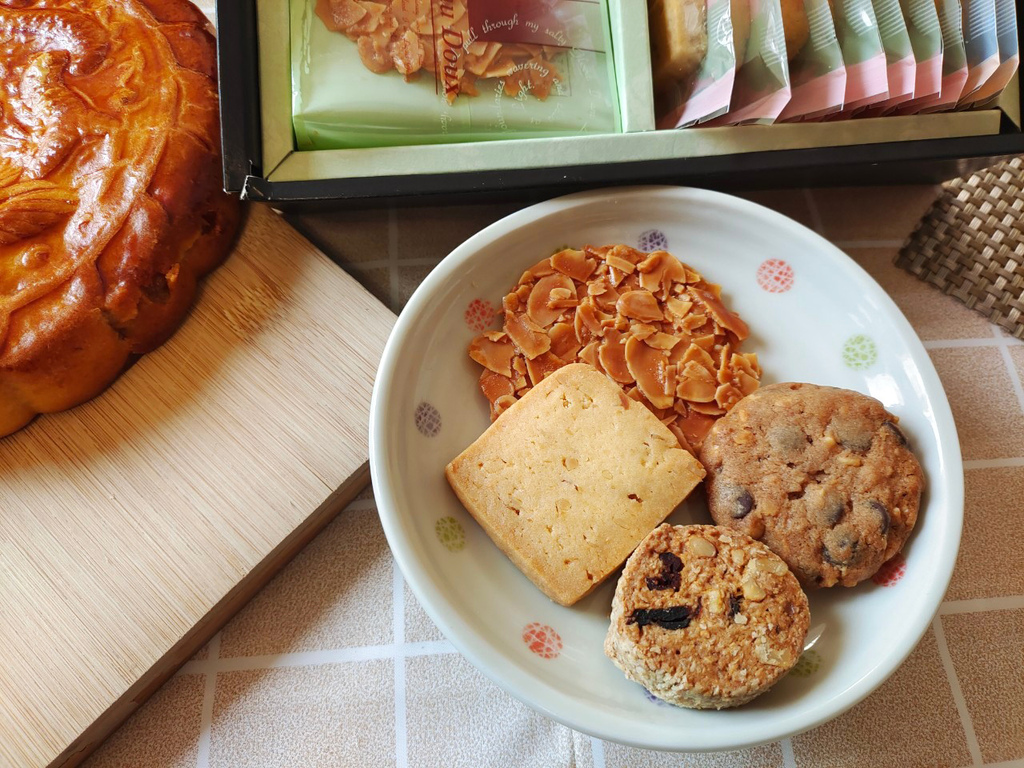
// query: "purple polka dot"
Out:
[653,240]
[654,699]
[428,420]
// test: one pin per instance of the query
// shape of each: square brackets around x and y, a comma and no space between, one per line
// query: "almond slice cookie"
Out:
[646,320]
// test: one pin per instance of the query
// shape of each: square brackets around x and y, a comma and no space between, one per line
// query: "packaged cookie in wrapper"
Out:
[817,76]
[693,60]
[981,44]
[926,39]
[863,54]
[1009,55]
[762,89]
[900,64]
[395,72]
[954,61]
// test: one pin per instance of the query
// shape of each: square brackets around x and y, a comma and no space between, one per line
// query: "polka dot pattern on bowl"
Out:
[427,420]
[891,571]
[451,534]
[860,352]
[479,315]
[542,640]
[652,240]
[775,276]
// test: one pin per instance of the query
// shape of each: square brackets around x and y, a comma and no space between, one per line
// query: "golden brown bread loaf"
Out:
[111,205]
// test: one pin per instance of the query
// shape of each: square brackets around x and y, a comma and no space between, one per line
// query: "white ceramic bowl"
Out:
[815,316]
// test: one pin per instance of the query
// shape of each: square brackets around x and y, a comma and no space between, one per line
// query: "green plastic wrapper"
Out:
[926,39]
[901,66]
[817,74]
[707,93]
[954,59]
[981,44]
[399,72]
[863,54]
[1009,55]
[761,90]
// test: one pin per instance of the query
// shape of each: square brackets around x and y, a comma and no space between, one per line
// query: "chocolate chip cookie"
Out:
[823,476]
[705,617]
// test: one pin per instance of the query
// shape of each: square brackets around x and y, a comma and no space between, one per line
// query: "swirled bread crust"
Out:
[110,198]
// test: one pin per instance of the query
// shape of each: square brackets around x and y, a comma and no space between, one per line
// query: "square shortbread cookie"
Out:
[570,478]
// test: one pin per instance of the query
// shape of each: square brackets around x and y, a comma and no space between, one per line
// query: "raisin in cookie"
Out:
[821,475]
[705,617]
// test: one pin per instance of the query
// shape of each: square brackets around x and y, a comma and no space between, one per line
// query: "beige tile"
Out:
[164,732]
[202,654]
[988,655]
[349,237]
[376,280]
[911,720]
[618,756]
[988,564]
[872,213]
[337,593]
[933,314]
[305,717]
[419,627]
[409,279]
[788,202]
[481,725]
[366,493]
[432,232]
[1017,356]
[988,416]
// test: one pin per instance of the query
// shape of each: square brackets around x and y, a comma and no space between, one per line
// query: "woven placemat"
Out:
[970,244]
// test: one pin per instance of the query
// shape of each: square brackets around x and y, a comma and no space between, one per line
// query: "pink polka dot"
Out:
[775,276]
[891,571]
[479,315]
[542,640]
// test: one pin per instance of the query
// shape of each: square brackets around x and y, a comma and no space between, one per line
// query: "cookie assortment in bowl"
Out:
[808,486]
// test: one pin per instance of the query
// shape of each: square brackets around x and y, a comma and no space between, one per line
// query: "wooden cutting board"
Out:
[133,527]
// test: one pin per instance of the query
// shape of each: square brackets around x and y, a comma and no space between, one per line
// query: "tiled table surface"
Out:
[335,664]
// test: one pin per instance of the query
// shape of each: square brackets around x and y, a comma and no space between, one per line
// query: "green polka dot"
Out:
[808,664]
[860,352]
[449,532]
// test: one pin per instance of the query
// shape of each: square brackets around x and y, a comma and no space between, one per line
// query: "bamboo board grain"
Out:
[133,526]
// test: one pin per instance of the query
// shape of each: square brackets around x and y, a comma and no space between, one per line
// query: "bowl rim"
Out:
[548,700]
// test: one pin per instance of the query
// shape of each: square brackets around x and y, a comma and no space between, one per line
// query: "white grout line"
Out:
[206,713]
[1004,341]
[427,648]
[361,266]
[597,752]
[994,463]
[313,658]
[812,207]
[1010,368]
[401,737]
[958,695]
[853,245]
[393,256]
[953,607]
[788,756]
